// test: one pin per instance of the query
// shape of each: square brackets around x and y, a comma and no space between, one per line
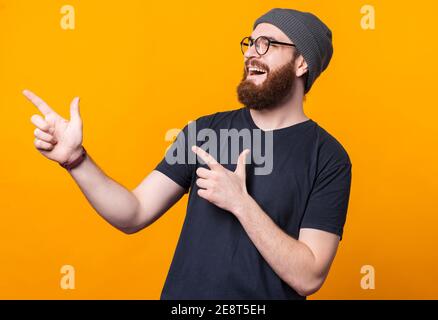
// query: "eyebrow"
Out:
[270,38]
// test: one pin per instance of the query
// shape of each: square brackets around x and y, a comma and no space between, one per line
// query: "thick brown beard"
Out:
[274,89]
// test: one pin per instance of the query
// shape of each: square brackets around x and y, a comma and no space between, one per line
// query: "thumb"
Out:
[75,116]
[241,165]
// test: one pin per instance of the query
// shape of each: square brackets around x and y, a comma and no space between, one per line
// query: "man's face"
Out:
[268,89]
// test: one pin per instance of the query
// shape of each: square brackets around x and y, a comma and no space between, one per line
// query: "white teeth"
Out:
[256,69]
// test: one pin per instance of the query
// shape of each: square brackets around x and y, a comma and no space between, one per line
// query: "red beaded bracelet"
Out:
[76,162]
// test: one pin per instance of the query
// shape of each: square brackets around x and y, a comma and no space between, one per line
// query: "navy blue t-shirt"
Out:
[308,187]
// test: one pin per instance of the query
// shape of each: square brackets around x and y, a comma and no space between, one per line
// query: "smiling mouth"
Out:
[255,71]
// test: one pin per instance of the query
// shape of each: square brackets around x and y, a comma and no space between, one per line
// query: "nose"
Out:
[250,52]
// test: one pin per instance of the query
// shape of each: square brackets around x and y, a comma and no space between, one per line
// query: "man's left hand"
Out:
[220,186]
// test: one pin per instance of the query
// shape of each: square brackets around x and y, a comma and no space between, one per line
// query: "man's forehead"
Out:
[270,31]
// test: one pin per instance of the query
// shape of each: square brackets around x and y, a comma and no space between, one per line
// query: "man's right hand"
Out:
[56,138]
[129,211]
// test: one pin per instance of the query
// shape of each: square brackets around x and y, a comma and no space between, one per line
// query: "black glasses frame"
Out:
[251,43]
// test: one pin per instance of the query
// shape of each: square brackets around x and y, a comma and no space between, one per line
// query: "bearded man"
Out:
[245,235]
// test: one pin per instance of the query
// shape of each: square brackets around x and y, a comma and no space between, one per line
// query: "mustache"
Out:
[257,64]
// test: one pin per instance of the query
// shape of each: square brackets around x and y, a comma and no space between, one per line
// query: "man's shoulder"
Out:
[330,149]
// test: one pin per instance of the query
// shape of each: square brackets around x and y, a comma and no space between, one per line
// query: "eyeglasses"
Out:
[262,44]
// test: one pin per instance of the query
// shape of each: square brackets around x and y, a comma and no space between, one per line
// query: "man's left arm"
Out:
[304,263]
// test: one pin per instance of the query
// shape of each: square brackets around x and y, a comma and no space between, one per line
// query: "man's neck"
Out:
[287,114]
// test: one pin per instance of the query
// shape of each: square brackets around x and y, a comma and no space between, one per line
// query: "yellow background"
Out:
[142,68]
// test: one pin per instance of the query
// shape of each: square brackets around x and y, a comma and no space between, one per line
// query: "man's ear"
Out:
[301,66]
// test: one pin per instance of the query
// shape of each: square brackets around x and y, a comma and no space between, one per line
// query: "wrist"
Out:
[77,157]
[243,206]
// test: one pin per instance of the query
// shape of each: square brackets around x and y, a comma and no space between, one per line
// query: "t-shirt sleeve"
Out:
[328,202]
[175,163]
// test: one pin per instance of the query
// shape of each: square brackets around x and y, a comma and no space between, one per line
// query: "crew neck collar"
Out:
[295,126]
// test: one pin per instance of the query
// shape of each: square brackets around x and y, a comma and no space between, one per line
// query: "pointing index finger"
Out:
[38,102]
[206,157]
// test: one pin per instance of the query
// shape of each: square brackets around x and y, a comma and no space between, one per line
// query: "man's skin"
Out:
[303,263]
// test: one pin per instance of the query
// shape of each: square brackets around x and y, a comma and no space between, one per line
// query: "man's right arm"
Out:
[128,211]
[60,140]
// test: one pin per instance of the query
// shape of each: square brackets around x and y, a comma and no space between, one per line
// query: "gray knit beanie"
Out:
[313,39]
